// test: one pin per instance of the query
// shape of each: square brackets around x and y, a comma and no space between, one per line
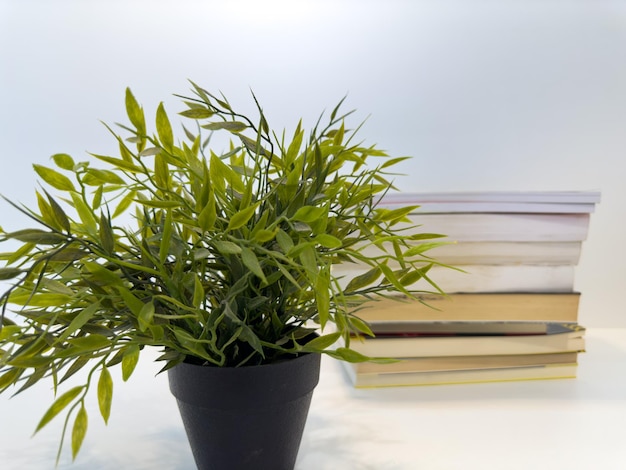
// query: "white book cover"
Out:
[521,227]
[463,253]
[531,197]
[496,201]
[483,278]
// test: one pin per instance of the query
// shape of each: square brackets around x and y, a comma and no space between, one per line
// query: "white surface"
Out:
[572,424]
[485,94]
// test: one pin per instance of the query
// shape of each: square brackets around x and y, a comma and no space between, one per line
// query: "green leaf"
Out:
[40,300]
[107,238]
[132,302]
[227,248]
[102,176]
[197,113]
[393,161]
[198,291]
[252,339]
[129,361]
[47,215]
[119,163]
[166,237]
[328,241]
[77,365]
[78,321]
[105,393]
[54,178]
[284,241]
[10,377]
[97,198]
[9,330]
[309,260]
[164,128]
[63,161]
[125,203]
[363,280]
[322,342]
[59,405]
[422,248]
[231,126]
[252,263]
[391,277]
[322,298]
[59,214]
[146,315]
[135,113]
[9,273]
[156,204]
[79,431]
[241,218]
[310,214]
[347,355]
[37,236]
[90,342]
[264,235]
[208,215]
[396,215]
[413,276]
[84,212]
[101,274]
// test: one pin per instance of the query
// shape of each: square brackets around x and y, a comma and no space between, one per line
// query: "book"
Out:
[496,201]
[540,372]
[520,197]
[448,207]
[447,363]
[561,338]
[384,329]
[530,307]
[503,227]
[482,278]
[537,253]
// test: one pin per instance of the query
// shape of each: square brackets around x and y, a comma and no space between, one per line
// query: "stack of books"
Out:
[510,314]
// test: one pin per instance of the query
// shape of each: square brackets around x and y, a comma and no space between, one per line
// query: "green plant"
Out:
[225,259]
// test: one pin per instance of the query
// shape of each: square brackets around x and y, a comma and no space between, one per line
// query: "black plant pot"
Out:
[240,418]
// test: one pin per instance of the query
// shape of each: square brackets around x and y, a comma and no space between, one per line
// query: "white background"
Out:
[486,95]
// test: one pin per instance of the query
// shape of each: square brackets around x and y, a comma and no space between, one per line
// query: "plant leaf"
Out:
[348,355]
[63,161]
[105,393]
[227,248]
[54,178]
[252,263]
[241,218]
[231,126]
[129,361]
[135,113]
[84,212]
[9,273]
[309,214]
[10,377]
[79,431]
[363,280]
[37,236]
[164,128]
[78,321]
[322,342]
[146,314]
[58,406]
[197,113]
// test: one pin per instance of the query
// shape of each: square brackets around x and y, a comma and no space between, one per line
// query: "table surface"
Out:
[550,424]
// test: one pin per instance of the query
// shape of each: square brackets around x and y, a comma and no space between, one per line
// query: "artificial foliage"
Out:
[219,258]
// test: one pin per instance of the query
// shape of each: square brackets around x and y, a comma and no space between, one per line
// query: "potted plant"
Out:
[220,259]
